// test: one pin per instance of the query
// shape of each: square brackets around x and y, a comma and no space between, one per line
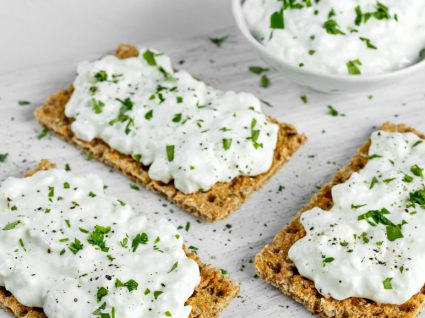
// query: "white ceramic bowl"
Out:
[323,82]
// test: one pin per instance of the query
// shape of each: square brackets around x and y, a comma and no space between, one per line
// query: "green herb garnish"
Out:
[218,41]
[258,69]
[149,115]
[101,76]
[23,102]
[97,237]
[131,284]
[43,133]
[353,67]
[170,152]
[11,226]
[141,238]
[101,292]
[75,246]
[227,142]
[387,282]
[149,57]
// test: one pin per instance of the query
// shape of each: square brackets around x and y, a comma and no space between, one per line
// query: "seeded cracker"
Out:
[210,297]
[273,265]
[217,203]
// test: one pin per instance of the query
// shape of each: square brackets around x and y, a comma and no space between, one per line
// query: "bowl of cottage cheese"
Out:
[337,46]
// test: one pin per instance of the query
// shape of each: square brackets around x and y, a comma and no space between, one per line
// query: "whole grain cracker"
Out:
[210,297]
[217,203]
[273,265]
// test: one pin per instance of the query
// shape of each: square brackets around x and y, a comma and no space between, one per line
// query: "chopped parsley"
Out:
[101,292]
[387,282]
[101,76]
[353,67]
[389,180]
[170,152]
[51,193]
[227,142]
[21,243]
[375,217]
[97,105]
[417,171]
[327,260]
[174,267]
[177,118]
[417,143]
[11,226]
[381,13]
[97,237]
[134,186]
[373,182]
[3,157]
[149,57]
[258,69]
[357,206]
[149,115]
[264,81]
[255,134]
[368,43]
[332,111]
[75,246]
[407,178]
[277,20]
[218,41]
[141,238]
[417,197]
[131,284]
[24,103]
[304,99]
[332,27]
[157,293]
[43,133]
[137,157]
[374,156]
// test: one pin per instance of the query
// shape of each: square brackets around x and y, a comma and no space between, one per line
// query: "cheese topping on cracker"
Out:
[371,243]
[184,130]
[67,247]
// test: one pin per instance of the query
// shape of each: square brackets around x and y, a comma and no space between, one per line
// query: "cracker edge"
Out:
[273,265]
[217,203]
[210,297]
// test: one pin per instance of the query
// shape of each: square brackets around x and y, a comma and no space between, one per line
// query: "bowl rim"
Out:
[241,23]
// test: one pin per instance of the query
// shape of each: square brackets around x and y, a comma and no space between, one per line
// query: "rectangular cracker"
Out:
[273,265]
[217,203]
[210,297]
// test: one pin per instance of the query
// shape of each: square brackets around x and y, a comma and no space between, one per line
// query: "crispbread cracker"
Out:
[217,203]
[210,297]
[273,265]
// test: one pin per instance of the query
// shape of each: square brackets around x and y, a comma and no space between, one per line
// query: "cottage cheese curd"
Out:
[371,243]
[340,37]
[181,128]
[69,248]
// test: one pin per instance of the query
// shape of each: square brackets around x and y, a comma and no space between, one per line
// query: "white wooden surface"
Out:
[230,244]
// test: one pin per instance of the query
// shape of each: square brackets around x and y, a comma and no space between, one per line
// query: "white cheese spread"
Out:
[340,37]
[181,128]
[371,243]
[67,247]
